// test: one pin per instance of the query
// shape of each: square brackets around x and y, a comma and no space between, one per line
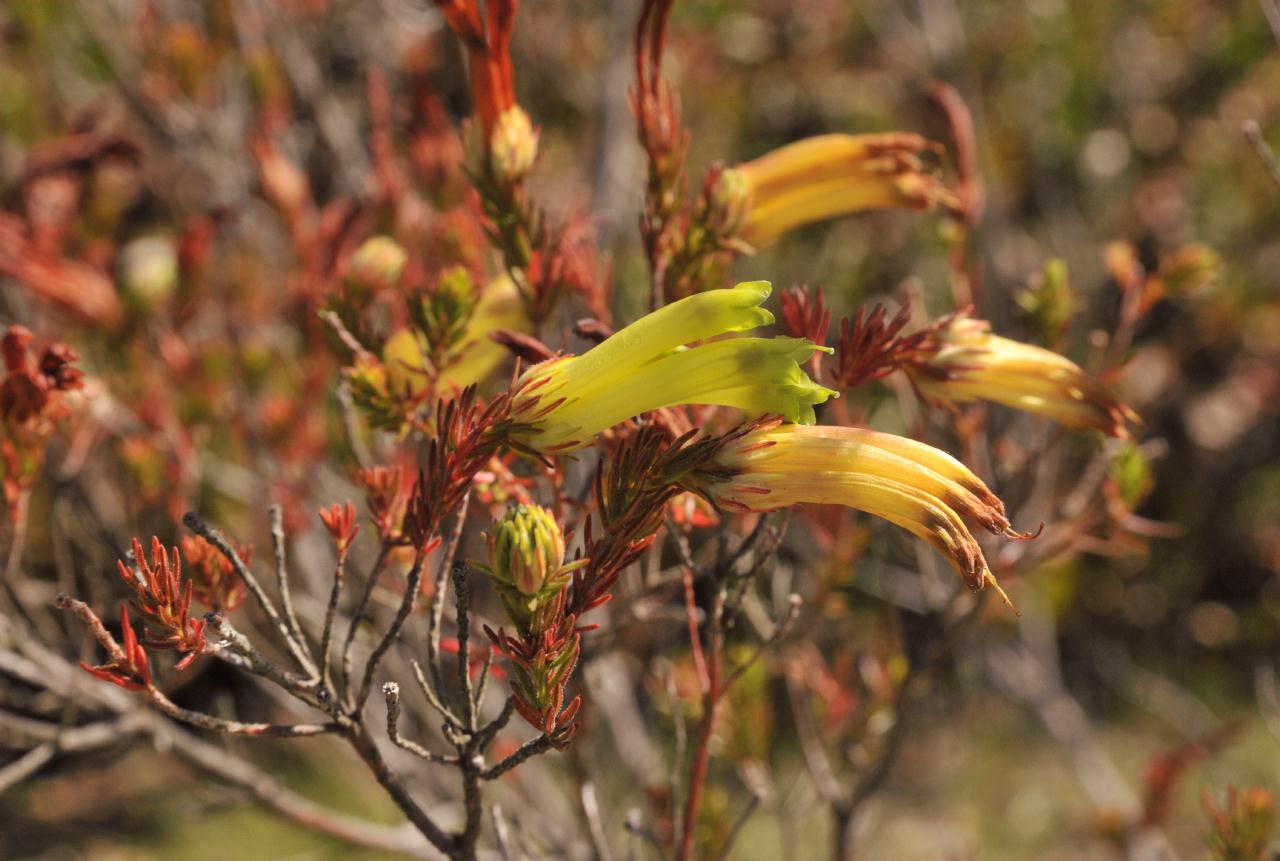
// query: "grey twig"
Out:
[330,614]
[527,751]
[412,582]
[435,618]
[433,699]
[282,576]
[1253,134]
[462,599]
[391,691]
[357,616]
[218,540]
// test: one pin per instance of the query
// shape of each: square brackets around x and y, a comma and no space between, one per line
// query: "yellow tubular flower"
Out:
[831,175]
[500,307]
[974,364]
[912,485]
[565,402]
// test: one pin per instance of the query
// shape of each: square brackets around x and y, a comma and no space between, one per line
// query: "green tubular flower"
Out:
[910,484]
[566,401]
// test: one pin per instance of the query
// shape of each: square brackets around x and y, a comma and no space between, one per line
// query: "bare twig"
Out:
[1253,134]
[234,771]
[330,614]
[462,600]
[391,691]
[526,751]
[435,618]
[58,740]
[282,576]
[296,647]
[412,582]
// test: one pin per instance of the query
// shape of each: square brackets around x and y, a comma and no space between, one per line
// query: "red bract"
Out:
[28,393]
[385,494]
[340,520]
[806,315]
[467,435]
[870,347]
[652,100]
[213,579]
[77,288]
[164,602]
[130,670]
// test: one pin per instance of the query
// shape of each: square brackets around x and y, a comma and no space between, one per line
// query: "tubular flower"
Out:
[827,176]
[971,363]
[912,485]
[500,307]
[564,402]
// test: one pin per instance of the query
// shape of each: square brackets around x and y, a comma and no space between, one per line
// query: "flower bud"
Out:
[377,264]
[526,548]
[149,269]
[513,146]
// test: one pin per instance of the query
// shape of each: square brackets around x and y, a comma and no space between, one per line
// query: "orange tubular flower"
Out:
[910,484]
[488,40]
[971,363]
[827,176]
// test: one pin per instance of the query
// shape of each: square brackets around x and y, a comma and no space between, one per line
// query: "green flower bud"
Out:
[526,549]
[149,269]
[377,263]
[514,145]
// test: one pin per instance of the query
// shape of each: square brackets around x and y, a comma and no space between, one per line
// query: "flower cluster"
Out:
[31,406]
[450,351]
[163,600]
[214,581]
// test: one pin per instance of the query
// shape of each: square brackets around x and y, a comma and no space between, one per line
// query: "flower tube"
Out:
[913,485]
[827,176]
[971,364]
[563,403]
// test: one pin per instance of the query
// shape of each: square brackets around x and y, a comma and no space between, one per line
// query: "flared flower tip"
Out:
[563,403]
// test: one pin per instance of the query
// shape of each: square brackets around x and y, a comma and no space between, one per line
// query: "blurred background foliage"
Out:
[1096,122]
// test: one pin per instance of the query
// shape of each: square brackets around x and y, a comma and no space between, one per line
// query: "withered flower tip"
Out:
[971,363]
[912,485]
